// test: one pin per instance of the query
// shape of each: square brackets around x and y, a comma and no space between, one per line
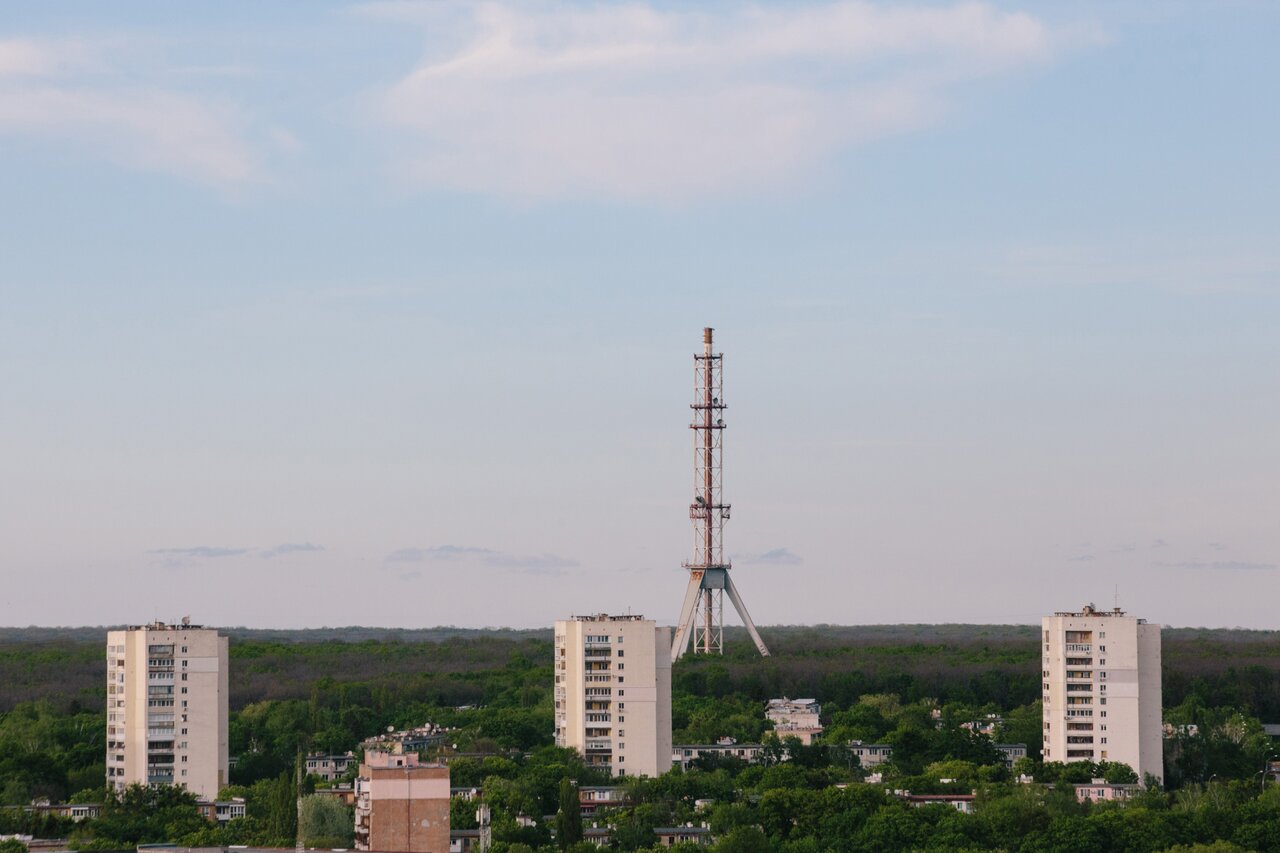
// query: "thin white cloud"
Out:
[557,99]
[551,564]
[1224,565]
[81,95]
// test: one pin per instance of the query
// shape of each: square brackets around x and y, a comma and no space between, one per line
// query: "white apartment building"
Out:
[1101,687]
[613,692]
[167,708]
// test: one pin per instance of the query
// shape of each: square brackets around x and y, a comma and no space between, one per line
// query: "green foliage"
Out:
[141,815]
[569,816]
[494,692]
[325,819]
[12,845]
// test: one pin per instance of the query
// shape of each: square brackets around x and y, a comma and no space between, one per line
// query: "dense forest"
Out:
[325,690]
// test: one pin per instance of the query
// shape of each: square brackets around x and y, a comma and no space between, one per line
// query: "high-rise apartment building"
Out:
[402,805]
[167,707]
[1101,673]
[613,692]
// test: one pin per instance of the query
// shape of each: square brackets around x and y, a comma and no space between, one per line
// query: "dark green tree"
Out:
[569,817]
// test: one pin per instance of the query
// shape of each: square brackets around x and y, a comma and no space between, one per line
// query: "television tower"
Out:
[702,615]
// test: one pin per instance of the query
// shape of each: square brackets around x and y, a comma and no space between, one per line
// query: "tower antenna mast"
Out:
[702,614]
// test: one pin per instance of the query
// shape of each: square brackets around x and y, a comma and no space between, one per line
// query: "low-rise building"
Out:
[688,834]
[1012,752]
[1100,790]
[593,798]
[870,754]
[328,767]
[221,811]
[797,718]
[344,792]
[75,811]
[402,804]
[685,754]
[959,802]
[464,840]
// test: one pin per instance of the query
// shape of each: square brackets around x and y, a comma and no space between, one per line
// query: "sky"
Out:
[319,314]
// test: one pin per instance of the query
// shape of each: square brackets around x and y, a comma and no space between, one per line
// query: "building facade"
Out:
[613,692]
[1101,691]
[167,708]
[402,805]
[871,754]
[328,767]
[684,755]
[796,718]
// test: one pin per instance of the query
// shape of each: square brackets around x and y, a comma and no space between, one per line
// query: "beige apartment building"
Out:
[1101,672]
[402,805]
[167,708]
[613,692]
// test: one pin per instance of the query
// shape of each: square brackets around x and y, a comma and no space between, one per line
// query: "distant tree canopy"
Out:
[912,687]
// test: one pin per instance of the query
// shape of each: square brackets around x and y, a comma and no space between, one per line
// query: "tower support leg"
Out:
[742,612]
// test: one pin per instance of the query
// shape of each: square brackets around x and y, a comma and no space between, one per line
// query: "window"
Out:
[184,676]
[621,705]
[1104,740]
[1104,713]
[619,639]
[622,733]
[620,678]
[1102,648]
[622,719]
[184,651]
[1103,700]
[621,652]
[621,692]
[184,690]
[184,731]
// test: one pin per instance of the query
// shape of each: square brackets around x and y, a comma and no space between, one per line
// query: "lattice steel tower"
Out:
[702,615]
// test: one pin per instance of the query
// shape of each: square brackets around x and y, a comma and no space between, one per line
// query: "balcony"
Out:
[599,743]
[1079,647]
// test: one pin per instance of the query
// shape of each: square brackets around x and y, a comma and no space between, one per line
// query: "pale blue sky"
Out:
[320,314]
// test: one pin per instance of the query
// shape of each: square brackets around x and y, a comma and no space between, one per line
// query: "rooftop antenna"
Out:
[702,614]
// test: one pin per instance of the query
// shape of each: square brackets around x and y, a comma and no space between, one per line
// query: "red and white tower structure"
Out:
[702,615]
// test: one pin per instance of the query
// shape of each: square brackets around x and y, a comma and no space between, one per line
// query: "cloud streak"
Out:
[91,96]
[1226,566]
[775,557]
[641,102]
[204,552]
[289,548]
[528,564]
